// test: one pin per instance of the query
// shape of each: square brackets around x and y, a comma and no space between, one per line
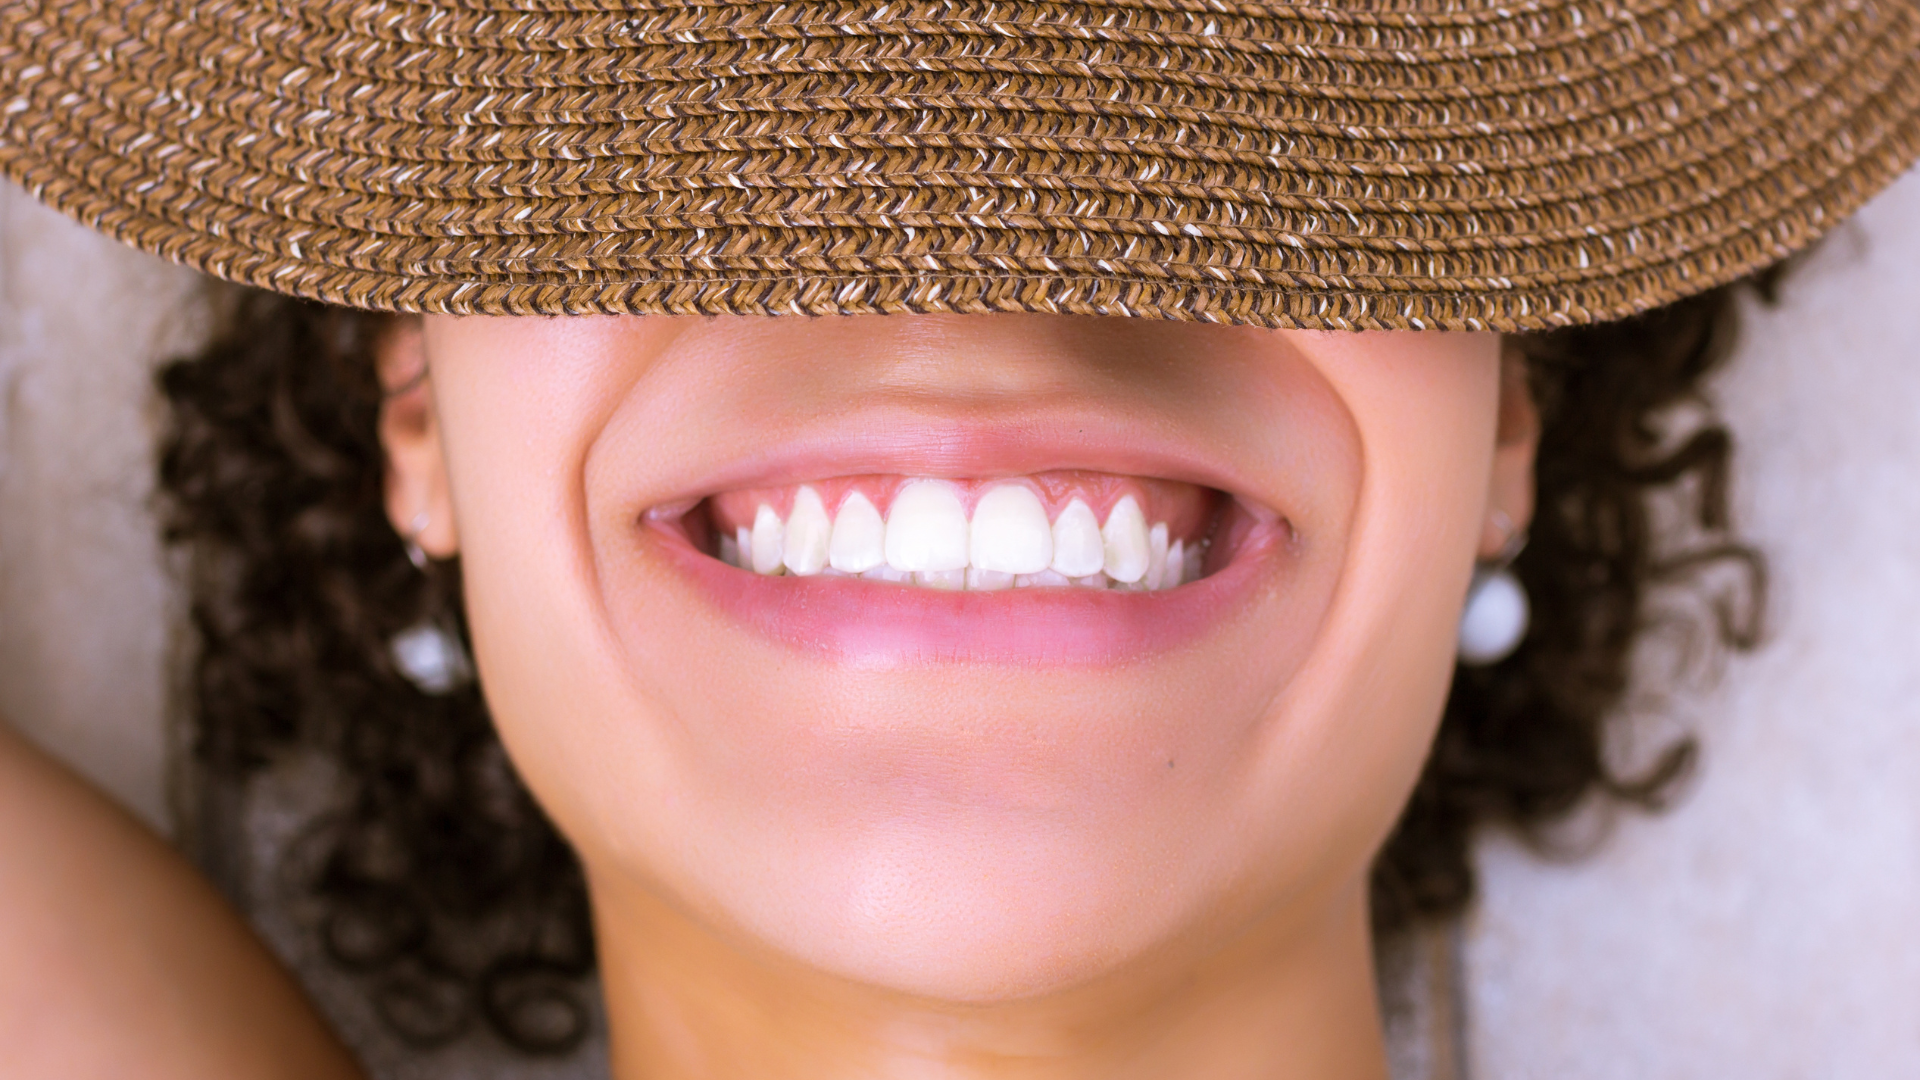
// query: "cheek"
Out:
[520,402]
[1354,728]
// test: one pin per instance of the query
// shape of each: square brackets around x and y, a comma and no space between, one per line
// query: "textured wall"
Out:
[1756,931]
[83,605]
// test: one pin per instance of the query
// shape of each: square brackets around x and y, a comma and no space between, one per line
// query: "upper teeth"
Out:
[927,539]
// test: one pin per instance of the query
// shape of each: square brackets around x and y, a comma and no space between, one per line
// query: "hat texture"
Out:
[1466,164]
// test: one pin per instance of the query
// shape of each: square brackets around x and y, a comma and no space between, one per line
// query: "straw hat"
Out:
[1499,164]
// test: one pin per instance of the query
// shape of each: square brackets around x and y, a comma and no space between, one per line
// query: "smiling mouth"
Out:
[1065,529]
[1064,566]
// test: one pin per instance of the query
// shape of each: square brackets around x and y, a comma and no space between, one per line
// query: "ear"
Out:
[418,502]
[1511,492]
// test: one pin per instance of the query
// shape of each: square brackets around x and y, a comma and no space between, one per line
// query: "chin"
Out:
[975,912]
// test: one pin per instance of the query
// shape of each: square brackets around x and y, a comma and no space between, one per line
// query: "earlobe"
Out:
[1510,492]
[418,502]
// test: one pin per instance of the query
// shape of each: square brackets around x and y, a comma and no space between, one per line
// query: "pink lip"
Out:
[909,443]
[874,624]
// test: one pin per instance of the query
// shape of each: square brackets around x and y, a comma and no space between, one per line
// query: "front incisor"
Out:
[1010,533]
[927,529]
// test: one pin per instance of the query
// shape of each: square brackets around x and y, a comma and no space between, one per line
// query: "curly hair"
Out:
[443,884]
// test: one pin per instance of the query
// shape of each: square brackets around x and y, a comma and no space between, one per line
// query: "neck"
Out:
[1279,1001]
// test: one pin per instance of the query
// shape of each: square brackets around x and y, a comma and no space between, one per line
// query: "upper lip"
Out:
[925,443]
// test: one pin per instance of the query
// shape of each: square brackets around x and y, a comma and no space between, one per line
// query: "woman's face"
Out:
[967,795]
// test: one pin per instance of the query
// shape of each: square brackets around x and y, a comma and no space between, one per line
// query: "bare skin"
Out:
[121,961]
[813,863]
[1208,921]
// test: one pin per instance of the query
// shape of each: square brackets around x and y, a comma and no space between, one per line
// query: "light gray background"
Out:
[1761,929]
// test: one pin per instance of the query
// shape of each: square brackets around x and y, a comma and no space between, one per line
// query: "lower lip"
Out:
[875,624]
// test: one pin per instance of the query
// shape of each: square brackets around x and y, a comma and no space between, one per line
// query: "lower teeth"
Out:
[973,580]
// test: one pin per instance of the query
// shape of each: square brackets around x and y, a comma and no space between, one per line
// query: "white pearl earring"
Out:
[431,657]
[1497,614]
[428,654]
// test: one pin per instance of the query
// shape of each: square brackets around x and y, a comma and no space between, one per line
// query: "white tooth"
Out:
[1125,539]
[1010,533]
[927,528]
[765,545]
[1045,578]
[988,580]
[1077,549]
[743,540]
[831,572]
[1093,581]
[1196,556]
[887,573]
[1176,566]
[807,531]
[1156,555]
[859,537]
[941,579]
[729,551]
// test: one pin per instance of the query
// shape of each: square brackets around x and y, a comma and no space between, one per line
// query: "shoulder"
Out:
[121,960]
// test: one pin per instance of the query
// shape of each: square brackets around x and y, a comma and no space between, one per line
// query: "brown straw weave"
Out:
[1331,163]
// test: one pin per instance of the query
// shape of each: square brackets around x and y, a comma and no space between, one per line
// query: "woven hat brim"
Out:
[1441,165]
